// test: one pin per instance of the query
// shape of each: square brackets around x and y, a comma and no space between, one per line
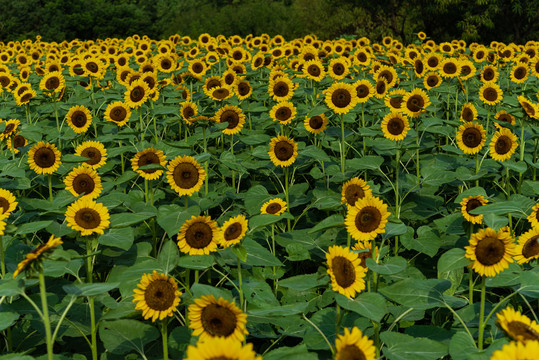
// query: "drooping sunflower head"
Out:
[33,260]
[210,318]
[503,145]
[347,275]
[44,158]
[316,124]
[79,118]
[395,126]
[528,246]
[470,203]
[118,112]
[185,175]
[283,112]
[148,157]
[137,93]
[25,97]
[367,218]
[490,251]
[232,115]
[468,112]
[353,190]
[415,102]
[157,295]
[283,151]
[518,326]
[419,67]
[83,181]
[490,93]
[10,129]
[354,345]
[8,203]
[94,151]
[220,93]
[471,138]
[274,206]
[530,108]
[18,141]
[233,231]
[87,216]
[225,348]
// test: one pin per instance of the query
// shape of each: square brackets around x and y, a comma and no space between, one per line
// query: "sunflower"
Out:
[450,68]
[388,73]
[354,345]
[211,318]
[338,68]
[467,70]
[503,145]
[157,295]
[188,110]
[470,203]
[136,94]
[87,216]
[471,138]
[520,327]
[164,63]
[419,68]
[395,126]
[353,190]
[274,206]
[118,113]
[185,175]
[367,218]
[432,61]
[432,80]
[283,151]
[313,69]
[519,73]
[364,90]
[243,89]
[283,112]
[220,93]
[316,124]
[421,35]
[415,102]
[232,231]
[83,181]
[528,246]
[52,83]
[489,74]
[490,93]
[221,348]
[148,157]
[281,89]
[8,203]
[93,150]
[10,129]
[24,98]
[44,158]
[341,97]
[529,107]
[533,218]
[233,116]
[393,99]
[197,69]
[517,351]
[468,112]
[210,83]
[17,142]
[79,118]
[490,251]
[347,275]
[33,259]
[504,117]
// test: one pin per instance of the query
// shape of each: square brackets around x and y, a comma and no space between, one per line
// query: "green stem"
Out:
[476,168]
[376,328]
[240,283]
[481,316]
[46,320]
[397,199]
[286,181]
[164,337]
[417,150]
[89,280]
[2,256]
[363,126]
[146,190]
[343,149]
[232,152]
[141,124]
[196,276]
[274,268]
[205,144]
[50,187]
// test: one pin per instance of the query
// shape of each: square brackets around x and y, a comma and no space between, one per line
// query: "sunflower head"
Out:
[353,190]
[470,203]
[281,88]
[395,126]
[530,108]
[233,231]
[274,206]
[118,112]
[367,218]
[283,151]
[146,157]
[471,138]
[528,246]
[83,181]
[503,145]
[198,236]
[232,115]
[468,113]
[283,112]
[415,102]
[354,345]
[87,216]
[490,93]
[490,251]
[347,275]
[94,151]
[157,295]
[137,93]
[44,158]
[185,175]
[316,124]
[8,203]
[79,118]
[33,260]
[341,97]
[518,326]
[221,348]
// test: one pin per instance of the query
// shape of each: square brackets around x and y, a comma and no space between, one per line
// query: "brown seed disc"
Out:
[273,208]
[368,219]
[395,126]
[118,113]
[198,235]
[531,247]
[316,122]
[341,98]
[92,153]
[185,175]
[83,184]
[44,157]
[159,295]
[343,270]
[231,117]
[148,159]
[503,145]
[490,250]
[79,119]
[351,352]
[471,137]
[87,218]
[233,231]
[218,320]
[283,150]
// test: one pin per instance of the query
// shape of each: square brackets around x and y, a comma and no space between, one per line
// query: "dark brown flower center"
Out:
[344,271]
[362,91]
[432,80]
[87,218]
[83,184]
[44,157]
[148,159]
[316,122]
[490,94]
[368,219]
[450,68]
[9,128]
[93,154]
[213,83]
[395,102]
[137,94]
[395,126]
[530,110]
[52,83]
[118,113]
[387,75]
[351,352]
[198,67]
[159,295]
[166,64]
[231,117]
[259,61]
[418,66]
[188,112]
[273,208]
[473,204]
[218,320]
[283,113]
[362,57]
[283,150]
[490,250]
[488,74]
[220,93]
[198,235]
[415,103]
[465,70]
[503,145]
[281,89]
[505,118]
[471,137]
[338,69]
[467,114]
[19,141]
[352,193]
[531,247]
[233,231]
[244,88]
[433,62]
[518,328]
[150,81]
[520,72]
[341,98]
[92,67]
[26,97]
[78,118]
[314,70]
[381,87]
[185,175]
[4,204]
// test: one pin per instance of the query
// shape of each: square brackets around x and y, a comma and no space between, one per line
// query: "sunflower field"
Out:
[257,198]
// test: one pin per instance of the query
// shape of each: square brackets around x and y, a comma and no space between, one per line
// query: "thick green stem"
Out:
[164,337]
[50,187]
[45,312]
[2,256]
[481,316]
[232,152]
[397,198]
[343,146]
[141,124]
[205,144]
[286,181]
[240,283]
[376,328]
[417,151]
[91,304]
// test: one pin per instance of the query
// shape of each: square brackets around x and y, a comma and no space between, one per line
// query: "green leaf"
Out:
[519,166]
[369,162]
[329,222]
[121,238]
[301,282]
[7,319]
[196,262]
[123,336]
[263,220]
[370,305]
[169,255]
[127,219]
[172,217]
[32,227]
[392,266]
[452,259]
[315,152]
[427,242]
[18,356]
[89,289]
[285,310]
[259,294]
[416,293]
[495,222]
[257,255]
[529,284]
[461,346]
[199,290]
[11,287]
[405,347]
[240,252]
[291,353]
